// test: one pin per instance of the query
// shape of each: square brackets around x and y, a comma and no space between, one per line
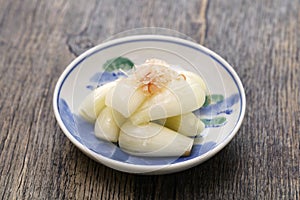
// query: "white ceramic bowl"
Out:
[223,116]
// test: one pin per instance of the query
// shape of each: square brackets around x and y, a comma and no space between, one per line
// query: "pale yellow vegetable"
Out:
[153,140]
[106,127]
[178,98]
[92,105]
[192,77]
[118,117]
[186,124]
[126,97]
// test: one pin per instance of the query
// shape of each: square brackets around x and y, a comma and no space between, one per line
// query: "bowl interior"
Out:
[222,115]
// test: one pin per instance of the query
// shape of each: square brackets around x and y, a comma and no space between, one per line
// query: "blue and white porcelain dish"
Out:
[222,114]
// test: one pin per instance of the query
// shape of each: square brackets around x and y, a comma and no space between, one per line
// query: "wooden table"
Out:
[39,38]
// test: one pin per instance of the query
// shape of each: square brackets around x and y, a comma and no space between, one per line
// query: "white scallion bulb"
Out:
[126,97]
[192,77]
[186,124]
[92,105]
[178,98]
[153,140]
[106,127]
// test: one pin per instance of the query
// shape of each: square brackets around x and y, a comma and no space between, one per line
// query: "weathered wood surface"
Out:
[38,39]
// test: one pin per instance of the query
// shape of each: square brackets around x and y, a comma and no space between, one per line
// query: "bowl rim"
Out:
[138,168]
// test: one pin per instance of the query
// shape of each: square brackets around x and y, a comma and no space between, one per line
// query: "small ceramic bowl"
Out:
[222,114]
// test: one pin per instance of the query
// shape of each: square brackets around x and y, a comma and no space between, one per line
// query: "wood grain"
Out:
[261,39]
